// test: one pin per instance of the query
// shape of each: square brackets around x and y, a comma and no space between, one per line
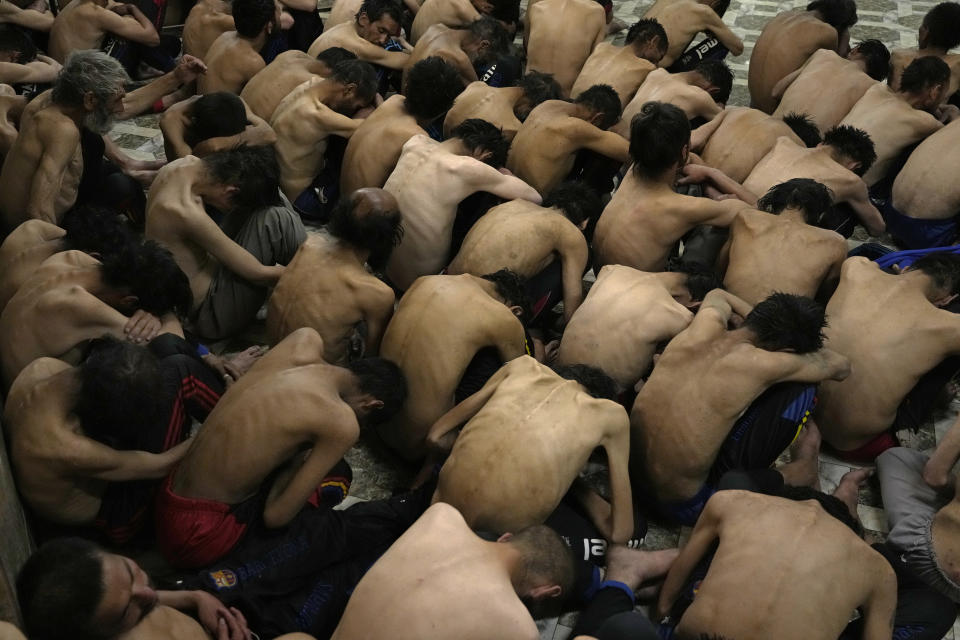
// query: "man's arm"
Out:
[817,366]
[714,314]
[606,143]
[42,70]
[370,52]
[257,133]
[90,459]
[202,230]
[129,23]
[706,107]
[376,305]
[173,126]
[859,200]
[483,177]
[880,609]
[27,18]
[936,472]
[59,143]
[573,260]
[781,87]
[715,25]
[617,446]
[139,100]
[700,135]
[720,180]
[463,412]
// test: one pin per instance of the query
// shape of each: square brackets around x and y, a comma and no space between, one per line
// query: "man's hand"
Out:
[189,68]
[947,113]
[218,620]
[286,21]
[232,367]
[142,327]
[695,173]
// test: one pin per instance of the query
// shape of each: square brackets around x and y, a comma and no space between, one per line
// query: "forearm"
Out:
[869,216]
[572,290]
[140,100]
[780,88]
[180,600]
[726,184]
[936,472]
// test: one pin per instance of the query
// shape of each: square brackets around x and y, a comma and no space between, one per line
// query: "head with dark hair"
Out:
[217,114]
[547,567]
[579,203]
[382,389]
[603,105]
[254,17]
[854,147]
[430,88]
[16,45]
[245,178]
[333,55]
[943,268]
[483,141]
[358,86]
[659,137]
[378,21]
[145,276]
[941,27]
[786,322]
[648,39]
[96,230]
[927,78]
[368,219]
[875,57]
[717,79]
[72,589]
[809,196]
[488,40]
[701,280]
[118,403]
[596,382]
[839,14]
[805,128]
[537,87]
[831,504]
[91,76]
[511,289]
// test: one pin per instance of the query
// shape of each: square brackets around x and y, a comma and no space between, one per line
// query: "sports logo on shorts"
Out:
[223,579]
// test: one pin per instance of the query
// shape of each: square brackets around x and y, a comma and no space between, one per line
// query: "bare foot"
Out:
[849,488]
[804,468]
[632,567]
[239,363]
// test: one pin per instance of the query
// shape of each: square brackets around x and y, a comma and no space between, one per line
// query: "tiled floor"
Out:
[376,473]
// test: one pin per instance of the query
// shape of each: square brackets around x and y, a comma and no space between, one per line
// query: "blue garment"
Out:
[906,258]
[687,511]
[918,233]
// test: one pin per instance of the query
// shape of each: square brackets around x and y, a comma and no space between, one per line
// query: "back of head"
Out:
[701,279]
[596,382]
[603,100]
[149,272]
[786,322]
[658,135]
[805,128]
[15,40]
[59,589]
[481,137]
[943,25]
[810,196]
[923,73]
[88,71]
[358,73]
[377,9]
[853,143]
[831,504]
[252,170]
[383,380]
[96,230]
[512,288]
[547,560]
[333,55]
[251,16]
[839,14]
[645,30]
[376,231]
[578,202]
[215,115]
[539,87]
[494,33]
[720,76]
[119,405]
[431,87]
[877,58]
[943,267]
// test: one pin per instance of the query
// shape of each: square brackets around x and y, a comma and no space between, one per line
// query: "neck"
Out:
[793,214]
[509,558]
[933,51]
[580,111]
[674,281]
[257,42]
[665,180]
[489,288]
[77,114]
[915,100]
[455,146]
[923,282]
[834,154]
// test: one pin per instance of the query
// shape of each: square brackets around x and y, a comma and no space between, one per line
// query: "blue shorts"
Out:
[918,233]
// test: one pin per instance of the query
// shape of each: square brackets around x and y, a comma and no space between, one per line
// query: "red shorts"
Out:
[867,453]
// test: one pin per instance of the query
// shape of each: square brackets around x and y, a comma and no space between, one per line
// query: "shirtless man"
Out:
[691,423]
[700,93]
[452,13]
[431,179]
[805,568]
[234,57]
[375,147]
[739,137]
[205,124]
[553,47]
[349,307]
[19,60]
[939,32]
[788,40]
[624,68]
[376,23]
[827,86]
[545,149]
[646,217]
[896,120]
[285,424]
[440,560]
[786,251]
[35,16]
[626,315]
[545,245]
[85,23]
[877,318]
[317,109]
[58,310]
[434,342]
[504,107]
[684,19]
[922,209]
[229,265]
[288,71]
[207,21]
[478,45]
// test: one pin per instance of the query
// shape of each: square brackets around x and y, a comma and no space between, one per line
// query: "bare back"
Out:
[231,62]
[274,82]
[618,67]
[452,13]
[742,139]
[76,27]
[900,59]
[374,148]
[927,187]
[682,20]
[826,89]
[207,21]
[553,47]
[787,160]
[493,104]
[23,251]
[662,86]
